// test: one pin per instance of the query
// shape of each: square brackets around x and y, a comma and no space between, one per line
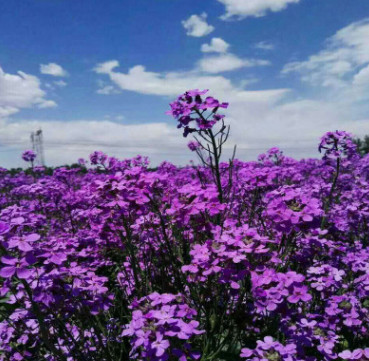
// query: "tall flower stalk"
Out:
[198,115]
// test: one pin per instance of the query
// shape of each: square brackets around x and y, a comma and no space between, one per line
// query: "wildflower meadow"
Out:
[225,260]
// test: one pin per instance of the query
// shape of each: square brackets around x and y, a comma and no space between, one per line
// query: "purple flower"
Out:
[338,144]
[4,228]
[98,157]
[246,352]
[15,266]
[164,315]
[267,344]
[299,294]
[193,146]
[191,107]
[354,355]
[156,317]
[160,345]
[29,155]
[24,243]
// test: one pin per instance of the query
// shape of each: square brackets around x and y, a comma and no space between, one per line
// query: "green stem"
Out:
[216,169]
[331,192]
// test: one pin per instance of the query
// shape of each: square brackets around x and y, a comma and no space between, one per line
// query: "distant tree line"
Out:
[47,170]
[50,170]
[363,145]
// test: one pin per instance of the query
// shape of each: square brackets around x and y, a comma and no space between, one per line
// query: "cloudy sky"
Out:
[99,74]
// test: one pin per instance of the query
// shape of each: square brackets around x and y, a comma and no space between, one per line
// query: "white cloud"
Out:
[243,8]
[362,77]
[5,111]
[227,62]
[107,90]
[341,63]
[47,104]
[106,67]
[104,87]
[60,83]
[294,126]
[264,45]
[19,91]
[139,80]
[197,26]
[217,45]
[53,69]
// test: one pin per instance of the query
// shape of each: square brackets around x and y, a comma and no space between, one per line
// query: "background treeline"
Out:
[363,145]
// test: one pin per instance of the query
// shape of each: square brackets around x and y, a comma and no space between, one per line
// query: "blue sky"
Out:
[99,74]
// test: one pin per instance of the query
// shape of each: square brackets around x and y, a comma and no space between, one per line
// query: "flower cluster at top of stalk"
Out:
[338,144]
[28,155]
[194,113]
[113,260]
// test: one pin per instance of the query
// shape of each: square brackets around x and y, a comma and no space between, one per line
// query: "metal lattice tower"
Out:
[38,147]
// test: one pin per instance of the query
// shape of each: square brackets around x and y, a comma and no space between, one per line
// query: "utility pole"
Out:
[38,147]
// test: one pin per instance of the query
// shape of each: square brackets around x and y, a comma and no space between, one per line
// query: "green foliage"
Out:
[362,145]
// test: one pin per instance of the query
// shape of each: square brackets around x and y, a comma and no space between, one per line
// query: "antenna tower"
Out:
[38,147]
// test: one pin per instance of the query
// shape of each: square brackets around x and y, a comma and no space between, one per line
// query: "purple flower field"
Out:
[228,260]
